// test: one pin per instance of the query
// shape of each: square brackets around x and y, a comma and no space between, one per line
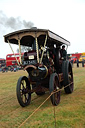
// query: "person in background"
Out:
[77,61]
[82,62]
[63,53]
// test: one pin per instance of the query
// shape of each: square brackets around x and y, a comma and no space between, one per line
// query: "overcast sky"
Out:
[64,17]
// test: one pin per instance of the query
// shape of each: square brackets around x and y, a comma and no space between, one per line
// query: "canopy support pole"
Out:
[19,50]
[37,50]
[43,50]
[13,52]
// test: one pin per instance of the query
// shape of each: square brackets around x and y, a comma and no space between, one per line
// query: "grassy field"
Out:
[70,113]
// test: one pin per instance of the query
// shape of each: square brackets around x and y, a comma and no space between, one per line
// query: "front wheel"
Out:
[23,91]
[54,87]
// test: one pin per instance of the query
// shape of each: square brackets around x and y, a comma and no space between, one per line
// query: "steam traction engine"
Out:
[45,67]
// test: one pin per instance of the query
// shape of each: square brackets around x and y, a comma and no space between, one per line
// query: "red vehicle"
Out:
[75,56]
[11,60]
[2,62]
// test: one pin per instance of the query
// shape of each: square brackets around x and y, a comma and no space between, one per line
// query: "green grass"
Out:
[70,113]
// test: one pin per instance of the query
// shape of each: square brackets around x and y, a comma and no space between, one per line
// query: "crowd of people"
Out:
[10,68]
[77,62]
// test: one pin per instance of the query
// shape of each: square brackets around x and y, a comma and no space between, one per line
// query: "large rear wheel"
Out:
[54,87]
[68,77]
[23,91]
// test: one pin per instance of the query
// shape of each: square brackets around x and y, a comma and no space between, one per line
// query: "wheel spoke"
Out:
[21,91]
[22,83]
[25,99]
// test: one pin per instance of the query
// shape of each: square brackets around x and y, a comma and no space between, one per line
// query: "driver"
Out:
[63,53]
